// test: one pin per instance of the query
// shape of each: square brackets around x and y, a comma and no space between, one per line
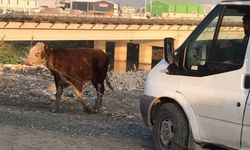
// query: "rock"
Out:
[130,117]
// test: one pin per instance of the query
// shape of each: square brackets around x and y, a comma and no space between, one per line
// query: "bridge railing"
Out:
[96,19]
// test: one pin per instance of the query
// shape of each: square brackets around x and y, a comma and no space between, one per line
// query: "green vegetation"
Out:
[13,52]
[9,58]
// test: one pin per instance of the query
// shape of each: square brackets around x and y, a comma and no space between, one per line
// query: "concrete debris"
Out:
[34,86]
[26,94]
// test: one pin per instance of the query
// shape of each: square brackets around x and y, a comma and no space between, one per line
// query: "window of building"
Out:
[8,2]
[28,3]
[80,6]
[67,5]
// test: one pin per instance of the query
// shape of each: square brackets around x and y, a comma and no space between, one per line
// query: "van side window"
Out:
[220,47]
[229,47]
[197,50]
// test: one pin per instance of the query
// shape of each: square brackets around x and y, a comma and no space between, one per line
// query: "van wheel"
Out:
[171,130]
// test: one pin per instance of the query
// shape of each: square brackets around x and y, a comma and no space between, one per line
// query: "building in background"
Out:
[17,6]
[53,7]
[172,8]
[52,3]
[131,12]
[95,6]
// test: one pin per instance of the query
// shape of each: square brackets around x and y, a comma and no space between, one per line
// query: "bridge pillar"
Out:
[100,45]
[120,66]
[121,51]
[145,56]
[120,57]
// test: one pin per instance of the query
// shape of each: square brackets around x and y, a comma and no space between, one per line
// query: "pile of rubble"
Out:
[23,69]
[34,86]
[26,94]
[131,80]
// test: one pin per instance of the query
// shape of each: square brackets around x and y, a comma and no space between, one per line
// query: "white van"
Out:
[198,96]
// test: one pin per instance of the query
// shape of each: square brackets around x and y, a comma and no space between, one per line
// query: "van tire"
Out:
[171,129]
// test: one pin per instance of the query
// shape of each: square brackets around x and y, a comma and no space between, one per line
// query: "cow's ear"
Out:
[46,47]
[42,54]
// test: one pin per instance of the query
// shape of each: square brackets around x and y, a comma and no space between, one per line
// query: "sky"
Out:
[140,3]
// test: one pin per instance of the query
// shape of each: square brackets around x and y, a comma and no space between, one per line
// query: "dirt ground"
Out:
[26,122]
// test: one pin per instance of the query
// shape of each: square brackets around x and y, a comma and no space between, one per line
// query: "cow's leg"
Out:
[55,103]
[100,92]
[96,88]
[59,91]
[81,99]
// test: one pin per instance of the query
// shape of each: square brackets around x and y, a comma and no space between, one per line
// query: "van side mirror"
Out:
[169,50]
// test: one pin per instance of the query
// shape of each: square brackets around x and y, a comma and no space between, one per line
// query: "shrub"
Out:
[8,57]
[9,54]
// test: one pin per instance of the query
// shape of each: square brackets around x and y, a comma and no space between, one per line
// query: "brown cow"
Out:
[75,67]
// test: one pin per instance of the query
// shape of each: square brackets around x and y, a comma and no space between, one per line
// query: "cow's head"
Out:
[36,55]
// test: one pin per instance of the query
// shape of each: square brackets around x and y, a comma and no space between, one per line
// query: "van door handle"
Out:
[247,81]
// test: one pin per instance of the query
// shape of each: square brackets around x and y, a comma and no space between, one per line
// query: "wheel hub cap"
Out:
[166,132]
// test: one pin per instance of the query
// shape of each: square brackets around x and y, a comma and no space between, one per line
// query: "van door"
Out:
[212,75]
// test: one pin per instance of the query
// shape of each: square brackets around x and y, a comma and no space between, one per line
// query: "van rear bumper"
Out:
[145,104]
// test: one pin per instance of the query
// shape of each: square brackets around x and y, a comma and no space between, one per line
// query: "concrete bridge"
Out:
[145,32]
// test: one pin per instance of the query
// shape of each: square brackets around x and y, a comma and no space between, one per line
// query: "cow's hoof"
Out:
[97,108]
[89,111]
[97,111]
[54,111]
[54,106]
